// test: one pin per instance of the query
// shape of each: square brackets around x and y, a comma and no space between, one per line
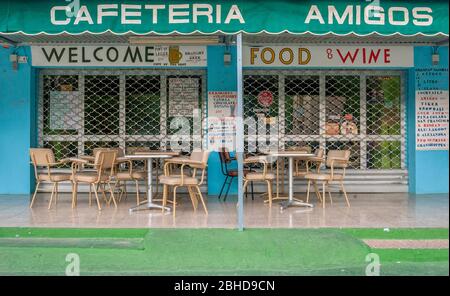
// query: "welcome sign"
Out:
[164,56]
[212,16]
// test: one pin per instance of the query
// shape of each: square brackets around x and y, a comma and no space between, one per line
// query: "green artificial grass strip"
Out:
[397,233]
[415,269]
[72,232]
[100,243]
[412,255]
[203,251]
[212,252]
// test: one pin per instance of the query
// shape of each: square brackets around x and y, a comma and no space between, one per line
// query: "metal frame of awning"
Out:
[262,38]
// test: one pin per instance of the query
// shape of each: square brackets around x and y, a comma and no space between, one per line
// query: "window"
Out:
[82,110]
[355,110]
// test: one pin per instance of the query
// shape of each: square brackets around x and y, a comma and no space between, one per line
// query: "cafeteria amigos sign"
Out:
[164,17]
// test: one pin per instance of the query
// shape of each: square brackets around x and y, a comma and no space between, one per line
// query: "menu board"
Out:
[221,119]
[221,103]
[431,109]
[183,96]
[65,112]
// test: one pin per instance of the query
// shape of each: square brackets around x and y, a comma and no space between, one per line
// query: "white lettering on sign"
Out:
[135,14]
[328,56]
[192,56]
[371,15]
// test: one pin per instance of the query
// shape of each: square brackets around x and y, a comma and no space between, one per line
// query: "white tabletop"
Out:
[152,154]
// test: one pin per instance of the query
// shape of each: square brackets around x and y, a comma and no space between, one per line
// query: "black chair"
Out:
[230,174]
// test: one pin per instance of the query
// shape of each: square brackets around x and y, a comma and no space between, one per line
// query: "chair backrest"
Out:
[341,154]
[201,156]
[306,149]
[319,152]
[105,159]
[95,151]
[42,156]
[225,157]
[120,152]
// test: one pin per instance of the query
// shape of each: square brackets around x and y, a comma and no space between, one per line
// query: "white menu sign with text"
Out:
[221,119]
[184,96]
[432,120]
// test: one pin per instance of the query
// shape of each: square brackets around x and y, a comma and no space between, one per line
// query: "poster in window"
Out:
[65,112]
[184,96]
[221,119]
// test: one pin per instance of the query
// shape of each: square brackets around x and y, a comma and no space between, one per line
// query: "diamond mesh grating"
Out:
[80,110]
[362,111]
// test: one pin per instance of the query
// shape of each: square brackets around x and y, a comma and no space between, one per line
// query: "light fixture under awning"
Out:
[340,17]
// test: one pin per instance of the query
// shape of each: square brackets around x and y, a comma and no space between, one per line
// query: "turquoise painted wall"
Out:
[428,170]
[220,78]
[17,122]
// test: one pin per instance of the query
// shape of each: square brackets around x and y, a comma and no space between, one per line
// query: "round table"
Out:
[149,156]
[291,155]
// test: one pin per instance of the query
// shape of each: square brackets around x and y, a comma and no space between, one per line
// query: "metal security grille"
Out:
[360,111]
[80,110]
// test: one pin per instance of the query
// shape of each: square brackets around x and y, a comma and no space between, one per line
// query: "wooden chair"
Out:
[91,158]
[197,163]
[303,166]
[263,176]
[102,174]
[121,182]
[130,174]
[44,157]
[336,159]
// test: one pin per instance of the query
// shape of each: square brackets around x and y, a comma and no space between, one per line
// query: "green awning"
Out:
[340,17]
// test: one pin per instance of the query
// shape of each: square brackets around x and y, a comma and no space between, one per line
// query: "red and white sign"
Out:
[221,120]
[222,103]
[328,56]
[265,98]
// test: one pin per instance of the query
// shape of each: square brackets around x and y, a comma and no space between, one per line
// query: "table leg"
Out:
[291,202]
[278,178]
[149,205]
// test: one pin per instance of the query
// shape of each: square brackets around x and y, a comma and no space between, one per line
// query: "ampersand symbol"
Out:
[330,53]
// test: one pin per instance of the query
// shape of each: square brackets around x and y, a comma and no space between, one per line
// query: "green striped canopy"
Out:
[384,17]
